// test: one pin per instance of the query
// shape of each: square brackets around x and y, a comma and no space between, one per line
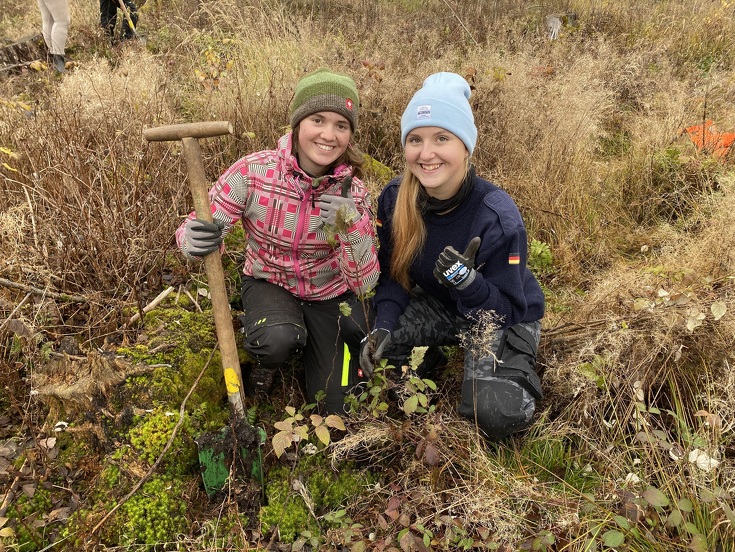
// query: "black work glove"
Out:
[457,270]
[201,237]
[371,350]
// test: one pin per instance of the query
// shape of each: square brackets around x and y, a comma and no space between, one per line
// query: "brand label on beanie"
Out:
[423,112]
[348,103]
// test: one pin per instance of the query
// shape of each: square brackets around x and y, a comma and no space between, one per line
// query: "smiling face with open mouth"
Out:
[323,138]
[438,159]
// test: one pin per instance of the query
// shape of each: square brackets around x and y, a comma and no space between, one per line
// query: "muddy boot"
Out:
[59,62]
[258,381]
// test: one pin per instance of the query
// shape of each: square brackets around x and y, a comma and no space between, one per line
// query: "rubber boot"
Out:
[59,62]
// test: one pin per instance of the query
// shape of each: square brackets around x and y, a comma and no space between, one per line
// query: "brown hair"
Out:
[352,156]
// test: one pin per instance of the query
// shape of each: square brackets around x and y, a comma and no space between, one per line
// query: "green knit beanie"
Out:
[324,90]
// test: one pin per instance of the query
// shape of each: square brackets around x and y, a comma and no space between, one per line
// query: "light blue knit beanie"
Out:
[442,102]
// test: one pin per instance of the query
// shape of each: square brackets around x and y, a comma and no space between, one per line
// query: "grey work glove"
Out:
[330,205]
[372,348]
[202,237]
[457,270]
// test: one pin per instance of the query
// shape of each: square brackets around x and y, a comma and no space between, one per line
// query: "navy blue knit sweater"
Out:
[504,284]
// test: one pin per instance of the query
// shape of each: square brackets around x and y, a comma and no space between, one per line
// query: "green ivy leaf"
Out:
[685,505]
[613,539]
[699,544]
[675,519]
[655,498]
[409,407]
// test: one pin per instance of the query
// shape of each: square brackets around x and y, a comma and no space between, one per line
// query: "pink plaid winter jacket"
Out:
[286,241]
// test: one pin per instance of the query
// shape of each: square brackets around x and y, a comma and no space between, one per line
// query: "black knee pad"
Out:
[500,407]
[274,344]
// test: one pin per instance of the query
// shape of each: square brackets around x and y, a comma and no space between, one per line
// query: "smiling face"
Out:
[438,159]
[322,139]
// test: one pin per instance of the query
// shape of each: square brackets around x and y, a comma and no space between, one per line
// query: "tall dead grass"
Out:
[584,132]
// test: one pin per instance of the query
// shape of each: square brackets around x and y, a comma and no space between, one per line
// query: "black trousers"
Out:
[277,325]
[500,386]
[108,17]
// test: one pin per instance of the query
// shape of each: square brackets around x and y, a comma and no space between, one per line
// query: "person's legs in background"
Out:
[108,16]
[129,32]
[55,21]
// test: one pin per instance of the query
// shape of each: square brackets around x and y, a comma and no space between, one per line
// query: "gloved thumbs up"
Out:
[471,251]
[457,270]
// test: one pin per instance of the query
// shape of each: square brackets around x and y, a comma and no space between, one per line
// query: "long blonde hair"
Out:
[408,230]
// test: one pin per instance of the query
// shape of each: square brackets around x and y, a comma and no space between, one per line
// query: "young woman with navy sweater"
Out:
[452,256]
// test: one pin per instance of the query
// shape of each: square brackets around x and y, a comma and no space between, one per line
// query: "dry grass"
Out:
[584,132]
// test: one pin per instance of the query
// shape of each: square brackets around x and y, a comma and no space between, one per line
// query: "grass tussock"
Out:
[633,443]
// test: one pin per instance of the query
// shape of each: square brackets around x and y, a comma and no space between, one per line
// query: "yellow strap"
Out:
[346,366]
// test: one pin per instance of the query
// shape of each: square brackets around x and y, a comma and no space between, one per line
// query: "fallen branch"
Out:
[155,465]
[150,306]
[44,292]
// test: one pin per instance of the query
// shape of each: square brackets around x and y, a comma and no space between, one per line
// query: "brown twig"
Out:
[17,307]
[44,292]
[155,465]
[196,304]
[7,501]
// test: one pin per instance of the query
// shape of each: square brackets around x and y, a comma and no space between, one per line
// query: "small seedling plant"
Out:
[295,428]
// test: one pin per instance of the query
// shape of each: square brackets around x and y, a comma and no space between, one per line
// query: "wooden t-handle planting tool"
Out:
[189,133]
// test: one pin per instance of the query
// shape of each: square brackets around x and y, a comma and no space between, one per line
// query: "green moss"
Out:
[72,450]
[110,476]
[73,531]
[328,490]
[156,514]
[153,433]
[22,514]
[285,509]
[376,170]
[189,338]
[141,353]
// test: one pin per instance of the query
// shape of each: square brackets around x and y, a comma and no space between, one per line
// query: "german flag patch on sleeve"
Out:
[514,259]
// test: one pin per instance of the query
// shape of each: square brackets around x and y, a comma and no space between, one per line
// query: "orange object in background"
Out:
[705,137]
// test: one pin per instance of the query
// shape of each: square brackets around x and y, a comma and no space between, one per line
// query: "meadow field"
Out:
[613,137]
